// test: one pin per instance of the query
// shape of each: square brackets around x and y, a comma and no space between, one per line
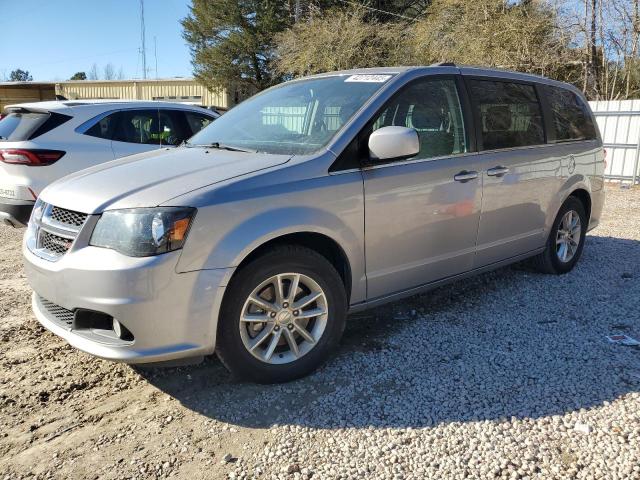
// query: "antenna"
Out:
[144,48]
[155,52]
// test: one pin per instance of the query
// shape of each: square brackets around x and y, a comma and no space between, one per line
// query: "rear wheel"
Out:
[566,239]
[283,314]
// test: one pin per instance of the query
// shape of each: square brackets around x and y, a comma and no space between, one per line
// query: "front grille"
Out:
[53,244]
[54,230]
[68,217]
[60,314]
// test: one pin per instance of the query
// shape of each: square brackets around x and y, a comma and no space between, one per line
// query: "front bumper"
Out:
[15,213]
[170,315]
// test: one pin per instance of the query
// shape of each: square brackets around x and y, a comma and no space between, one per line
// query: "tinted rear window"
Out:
[509,114]
[20,126]
[571,117]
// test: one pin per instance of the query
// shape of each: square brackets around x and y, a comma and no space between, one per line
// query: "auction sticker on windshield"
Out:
[368,78]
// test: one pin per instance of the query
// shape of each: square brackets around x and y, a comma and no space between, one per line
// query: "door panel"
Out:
[514,205]
[519,170]
[421,225]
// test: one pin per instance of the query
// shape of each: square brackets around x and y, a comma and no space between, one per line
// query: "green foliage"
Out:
[232,41]
[79,76]
[249,45]
[19,75]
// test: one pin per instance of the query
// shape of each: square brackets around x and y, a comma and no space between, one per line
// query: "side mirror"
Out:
[393,143]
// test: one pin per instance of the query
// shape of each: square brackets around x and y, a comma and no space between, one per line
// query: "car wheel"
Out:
[566,239]
[282,315]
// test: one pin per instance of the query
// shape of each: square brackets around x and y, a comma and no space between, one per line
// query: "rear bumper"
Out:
[15,213]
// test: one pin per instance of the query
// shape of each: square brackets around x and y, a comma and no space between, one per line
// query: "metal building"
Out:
[181,90]
[22,92]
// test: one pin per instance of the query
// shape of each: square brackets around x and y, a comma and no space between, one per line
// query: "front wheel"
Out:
[566,239]
[282,315]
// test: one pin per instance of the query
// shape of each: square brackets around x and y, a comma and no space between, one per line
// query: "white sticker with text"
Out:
[368,78]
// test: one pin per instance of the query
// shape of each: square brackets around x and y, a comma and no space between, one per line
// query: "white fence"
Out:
[619,123]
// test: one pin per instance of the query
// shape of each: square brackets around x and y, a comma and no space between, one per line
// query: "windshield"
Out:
[295,118]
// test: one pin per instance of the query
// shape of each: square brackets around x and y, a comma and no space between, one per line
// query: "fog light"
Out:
[117,328]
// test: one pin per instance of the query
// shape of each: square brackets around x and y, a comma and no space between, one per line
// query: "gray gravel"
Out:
[507,375]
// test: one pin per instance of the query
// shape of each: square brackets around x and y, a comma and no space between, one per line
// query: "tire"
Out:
[316,277]
[550,260]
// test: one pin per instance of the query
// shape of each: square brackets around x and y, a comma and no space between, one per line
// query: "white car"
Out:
[44,141]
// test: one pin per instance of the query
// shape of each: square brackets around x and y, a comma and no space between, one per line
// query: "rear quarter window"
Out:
[571,118]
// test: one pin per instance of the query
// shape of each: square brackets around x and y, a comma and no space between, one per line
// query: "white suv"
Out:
[44,141]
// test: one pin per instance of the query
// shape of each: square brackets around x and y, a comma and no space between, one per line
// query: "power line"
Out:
[349,2]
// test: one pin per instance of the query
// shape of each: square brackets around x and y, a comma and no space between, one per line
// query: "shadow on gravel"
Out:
[504,344]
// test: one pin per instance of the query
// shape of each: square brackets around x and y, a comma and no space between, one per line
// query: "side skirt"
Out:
[438,283]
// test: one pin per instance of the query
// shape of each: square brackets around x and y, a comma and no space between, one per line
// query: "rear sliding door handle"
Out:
[465,176]
[497,171]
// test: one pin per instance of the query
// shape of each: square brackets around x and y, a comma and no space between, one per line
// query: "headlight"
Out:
[143,232]
[38,210]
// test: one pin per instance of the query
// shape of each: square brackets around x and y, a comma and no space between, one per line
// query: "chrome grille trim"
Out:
[55,233]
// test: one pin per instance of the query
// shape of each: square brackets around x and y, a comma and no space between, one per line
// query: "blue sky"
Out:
[53,39]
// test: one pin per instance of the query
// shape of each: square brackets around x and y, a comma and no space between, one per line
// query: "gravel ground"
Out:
[507,375]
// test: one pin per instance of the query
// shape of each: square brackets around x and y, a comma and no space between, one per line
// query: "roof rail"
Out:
[443,64]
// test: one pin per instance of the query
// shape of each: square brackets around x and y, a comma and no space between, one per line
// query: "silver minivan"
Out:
[320,196]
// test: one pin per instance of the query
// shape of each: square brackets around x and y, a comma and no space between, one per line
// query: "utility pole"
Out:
[142,34]
[155,53]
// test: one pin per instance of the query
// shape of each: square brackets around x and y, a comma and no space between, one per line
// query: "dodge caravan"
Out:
[317,197]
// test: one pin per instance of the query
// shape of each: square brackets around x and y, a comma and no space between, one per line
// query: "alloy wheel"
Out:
[283,318]
[568,236]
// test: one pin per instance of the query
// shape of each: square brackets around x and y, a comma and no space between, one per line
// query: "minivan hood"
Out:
[152,178]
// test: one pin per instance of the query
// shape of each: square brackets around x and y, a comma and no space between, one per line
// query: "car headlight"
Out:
[38,210]
[143,232]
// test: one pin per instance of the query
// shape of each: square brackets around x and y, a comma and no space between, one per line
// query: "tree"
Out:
[232,41]
[19,75]
[318,44]
[79,76]
[93,72]
[497,33]
[109,72]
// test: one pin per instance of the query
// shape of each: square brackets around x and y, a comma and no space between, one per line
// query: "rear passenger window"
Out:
[571,117]
[171,128]
[432,108]
[509,114]
[103,128]
[137,126]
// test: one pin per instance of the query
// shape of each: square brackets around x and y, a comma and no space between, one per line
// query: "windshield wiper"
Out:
[222,146]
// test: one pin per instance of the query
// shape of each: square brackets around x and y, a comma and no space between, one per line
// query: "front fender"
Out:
[225,232]
[247,236]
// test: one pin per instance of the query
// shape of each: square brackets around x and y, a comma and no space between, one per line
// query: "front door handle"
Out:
[497,171]
[465,176]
